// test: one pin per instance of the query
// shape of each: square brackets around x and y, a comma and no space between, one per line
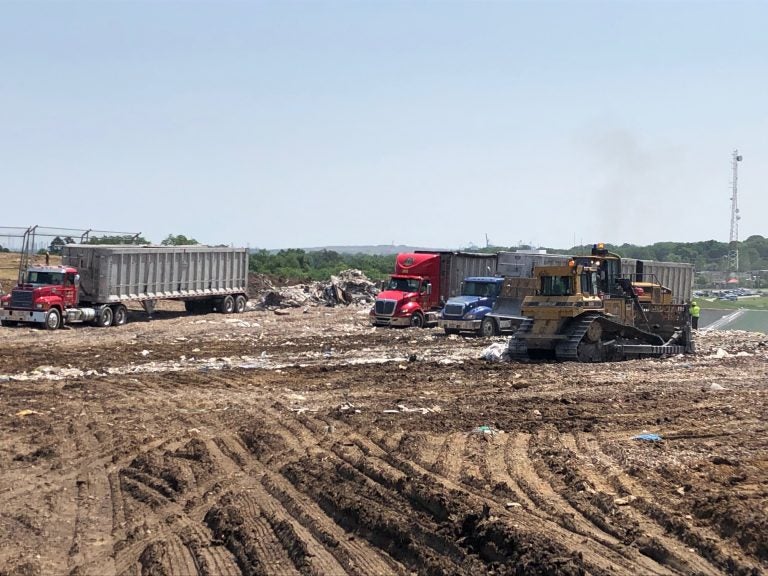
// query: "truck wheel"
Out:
[120,316]
[52,319]
[417,320]
[105,318]
[227,305]
[487,328]
[240,301]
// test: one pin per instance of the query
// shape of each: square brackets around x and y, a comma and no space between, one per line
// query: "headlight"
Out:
[470,316]
[39,305]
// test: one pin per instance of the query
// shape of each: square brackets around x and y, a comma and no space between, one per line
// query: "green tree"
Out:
[122,239]
[179,240]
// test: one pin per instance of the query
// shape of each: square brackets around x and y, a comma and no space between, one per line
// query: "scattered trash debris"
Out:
[401,408]
[625,501]
[490,430]
[496,352]
[648,437]
[716,386]
[26,412]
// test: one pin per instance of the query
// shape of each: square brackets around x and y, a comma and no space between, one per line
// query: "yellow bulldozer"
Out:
[586,311]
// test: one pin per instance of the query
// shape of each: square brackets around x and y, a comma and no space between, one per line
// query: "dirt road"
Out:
[313,444]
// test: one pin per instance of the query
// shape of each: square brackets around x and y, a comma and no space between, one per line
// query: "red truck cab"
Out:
[412,294]
[43,296]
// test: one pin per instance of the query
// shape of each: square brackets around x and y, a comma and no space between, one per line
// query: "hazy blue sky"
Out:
[296,124]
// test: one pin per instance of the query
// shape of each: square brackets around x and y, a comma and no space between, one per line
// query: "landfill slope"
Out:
[310,443]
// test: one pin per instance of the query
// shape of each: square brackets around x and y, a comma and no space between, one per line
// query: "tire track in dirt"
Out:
[299,543]
[376,512]
[698,545]
[650,537]
[607,551]
[350,553]
[166,488]
[435,499]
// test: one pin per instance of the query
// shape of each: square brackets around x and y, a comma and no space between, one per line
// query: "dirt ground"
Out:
[310,443]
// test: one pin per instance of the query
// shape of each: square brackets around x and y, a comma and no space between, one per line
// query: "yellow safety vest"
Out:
[695,311]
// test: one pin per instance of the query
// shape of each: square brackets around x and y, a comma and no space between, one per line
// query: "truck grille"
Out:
[21,299]
[385,307]
[454,310]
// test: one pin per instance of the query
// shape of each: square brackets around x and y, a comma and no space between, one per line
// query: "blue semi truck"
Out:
[467,312]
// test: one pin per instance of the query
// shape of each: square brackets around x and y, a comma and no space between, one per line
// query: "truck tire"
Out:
[487,328]
[417,320]
[53,319]
[240,301]
[227,305]
[192,306]
[120,315]
[104,319]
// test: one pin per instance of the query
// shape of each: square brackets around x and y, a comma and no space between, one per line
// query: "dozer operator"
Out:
[587,311]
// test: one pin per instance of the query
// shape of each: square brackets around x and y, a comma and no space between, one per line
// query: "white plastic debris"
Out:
[496,352]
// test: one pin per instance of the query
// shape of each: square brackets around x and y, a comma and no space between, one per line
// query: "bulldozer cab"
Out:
[571,280]
[607,266]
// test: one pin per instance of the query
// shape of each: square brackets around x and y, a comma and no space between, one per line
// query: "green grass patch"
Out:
[748,303]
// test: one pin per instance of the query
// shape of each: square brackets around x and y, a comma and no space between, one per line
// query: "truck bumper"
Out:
[390,320]
[461,325]
[36,316]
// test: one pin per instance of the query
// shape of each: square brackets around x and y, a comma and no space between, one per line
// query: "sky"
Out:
[425,123]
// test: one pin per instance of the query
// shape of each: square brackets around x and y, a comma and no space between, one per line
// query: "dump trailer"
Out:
[590,311]
[94,282]
[422,283]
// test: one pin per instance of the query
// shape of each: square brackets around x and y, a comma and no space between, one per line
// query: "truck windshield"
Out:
[44,278]
[403,284]
[555,286]
[482,289]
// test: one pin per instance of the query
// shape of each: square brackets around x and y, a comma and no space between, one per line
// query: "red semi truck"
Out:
[422,283]
[94,283]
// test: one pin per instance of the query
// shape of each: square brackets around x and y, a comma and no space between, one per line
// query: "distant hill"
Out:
[381,249]
[378,250]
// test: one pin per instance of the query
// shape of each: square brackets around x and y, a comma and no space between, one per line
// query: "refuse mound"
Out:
[731,342]
[349,287]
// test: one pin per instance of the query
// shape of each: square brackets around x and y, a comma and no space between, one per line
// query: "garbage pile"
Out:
[349,287]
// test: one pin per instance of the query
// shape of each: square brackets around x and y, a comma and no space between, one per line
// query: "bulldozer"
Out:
[587,311]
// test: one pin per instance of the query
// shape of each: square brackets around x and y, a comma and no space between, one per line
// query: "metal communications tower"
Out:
[733,243]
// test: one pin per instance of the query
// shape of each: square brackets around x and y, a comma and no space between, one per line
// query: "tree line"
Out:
[706,255]
[317,265]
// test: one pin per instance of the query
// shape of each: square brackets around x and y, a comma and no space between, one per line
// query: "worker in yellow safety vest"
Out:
[695,313]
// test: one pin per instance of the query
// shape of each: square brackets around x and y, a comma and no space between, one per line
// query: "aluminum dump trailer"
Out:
[123,273]
[459,265]
[677,276]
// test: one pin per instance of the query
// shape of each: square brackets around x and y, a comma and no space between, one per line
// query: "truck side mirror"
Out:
[429,288]
[77,279]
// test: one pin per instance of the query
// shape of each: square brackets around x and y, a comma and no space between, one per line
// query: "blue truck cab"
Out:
[466,313]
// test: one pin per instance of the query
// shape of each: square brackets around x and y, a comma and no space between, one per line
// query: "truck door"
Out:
[425,296]
[69,290]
